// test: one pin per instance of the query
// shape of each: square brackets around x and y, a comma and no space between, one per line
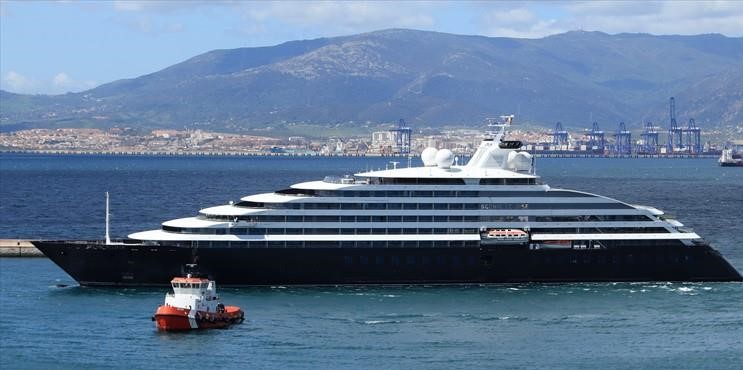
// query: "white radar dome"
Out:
[428,156]
[444,158]
[519,161]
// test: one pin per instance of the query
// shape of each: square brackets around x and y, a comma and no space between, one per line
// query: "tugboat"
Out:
[194,304]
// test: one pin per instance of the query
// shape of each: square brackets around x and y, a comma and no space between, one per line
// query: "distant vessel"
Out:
[489,221]
[730,158]
[194,304]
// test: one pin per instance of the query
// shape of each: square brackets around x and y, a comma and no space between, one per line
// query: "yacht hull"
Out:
[93,263]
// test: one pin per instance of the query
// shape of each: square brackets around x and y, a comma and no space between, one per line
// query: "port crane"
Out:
[402,134]
[622,140]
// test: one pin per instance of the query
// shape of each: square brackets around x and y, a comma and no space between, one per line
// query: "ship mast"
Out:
[108,238]
[499,125]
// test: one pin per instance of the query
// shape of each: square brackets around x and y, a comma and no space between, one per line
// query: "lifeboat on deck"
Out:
[503,236]
[194,304]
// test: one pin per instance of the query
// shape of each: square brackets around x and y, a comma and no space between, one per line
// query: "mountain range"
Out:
[431,79]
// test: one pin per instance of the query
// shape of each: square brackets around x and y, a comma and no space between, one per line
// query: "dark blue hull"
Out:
[92,263]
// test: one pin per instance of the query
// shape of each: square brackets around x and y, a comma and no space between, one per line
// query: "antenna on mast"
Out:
[499,125]
[108,238]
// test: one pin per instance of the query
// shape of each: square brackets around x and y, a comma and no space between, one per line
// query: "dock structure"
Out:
[675,132]
[693,137]
[649,140]
[559,135]
[18,248]
[622,140]
[402,135]
[596,139]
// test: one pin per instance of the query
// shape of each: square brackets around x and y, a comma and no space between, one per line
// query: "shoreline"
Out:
[372,155]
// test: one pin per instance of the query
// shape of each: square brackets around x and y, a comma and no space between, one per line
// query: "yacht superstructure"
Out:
[490,220]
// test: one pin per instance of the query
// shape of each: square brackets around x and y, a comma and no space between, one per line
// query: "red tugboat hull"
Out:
[168,318]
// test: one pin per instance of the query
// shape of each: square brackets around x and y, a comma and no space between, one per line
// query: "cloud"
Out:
[291,19]
[660,17]
[278,20]
[148,24]
[61,80]
[534,20]
[129,6]
[155,17]
[60,83]
[344,16]
[166,6]
[16,82]
[517,22]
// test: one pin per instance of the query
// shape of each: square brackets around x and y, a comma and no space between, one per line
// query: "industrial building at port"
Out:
[680,140]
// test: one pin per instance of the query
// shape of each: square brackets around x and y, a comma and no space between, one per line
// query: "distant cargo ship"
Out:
[489,221]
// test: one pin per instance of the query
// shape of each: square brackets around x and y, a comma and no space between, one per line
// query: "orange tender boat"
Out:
[194,304]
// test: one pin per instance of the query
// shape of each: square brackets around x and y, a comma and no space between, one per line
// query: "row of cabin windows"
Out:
[535,259]
[660,257]
[448,181]
[415,181]
[590,218]
[393,231]
[340,244]
[615,259]
[430,206]
[318,231]
[455,218]
[430,193]
[602,230]
[190,285]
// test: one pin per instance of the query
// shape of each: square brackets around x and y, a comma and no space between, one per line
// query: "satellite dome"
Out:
[520,161]
[428,156]
[444,158]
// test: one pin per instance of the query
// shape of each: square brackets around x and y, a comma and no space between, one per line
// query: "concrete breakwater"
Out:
[18,248]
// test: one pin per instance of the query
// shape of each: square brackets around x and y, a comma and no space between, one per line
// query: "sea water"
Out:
[47,321]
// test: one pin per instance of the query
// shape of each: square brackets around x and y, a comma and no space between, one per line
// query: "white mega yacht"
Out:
[490,220]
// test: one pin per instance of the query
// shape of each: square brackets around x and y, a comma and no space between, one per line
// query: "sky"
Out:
[53,47]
